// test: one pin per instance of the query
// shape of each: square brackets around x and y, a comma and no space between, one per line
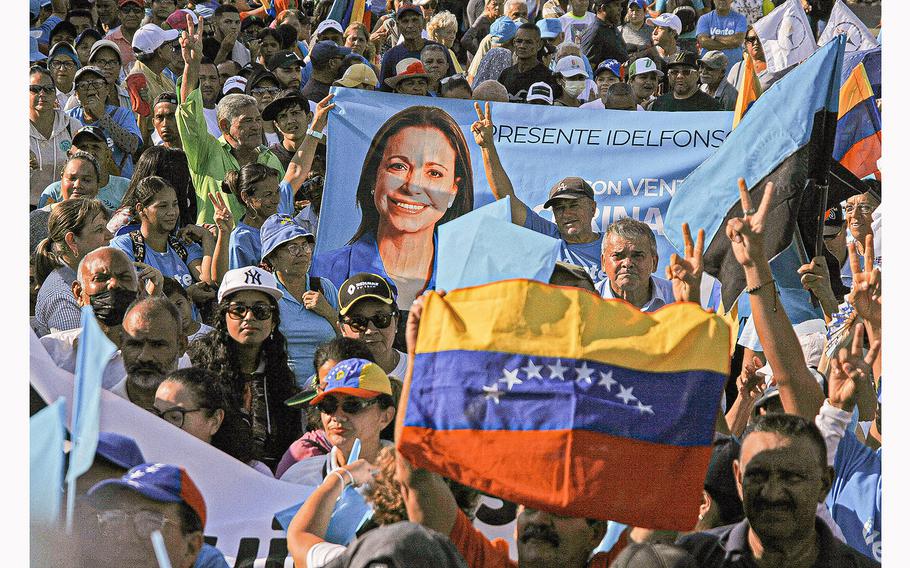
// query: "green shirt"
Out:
[210,159]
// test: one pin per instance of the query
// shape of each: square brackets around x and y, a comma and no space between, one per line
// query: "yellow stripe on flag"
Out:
[855,90]
[749,90]
[357,11]
[530,318]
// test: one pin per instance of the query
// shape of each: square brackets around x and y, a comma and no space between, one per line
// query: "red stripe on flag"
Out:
[861,159]
[575,473]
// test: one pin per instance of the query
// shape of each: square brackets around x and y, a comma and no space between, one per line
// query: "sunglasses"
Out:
[360,323]
[751,39]
[38,89]
[261,311]
[329,405]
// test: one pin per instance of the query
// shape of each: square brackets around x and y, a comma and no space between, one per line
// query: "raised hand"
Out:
[321,114]
[223,219]
[749,383]
[865,296]
[815,278]
[685,274]
[191,41]
[745,233]
[850,372]
[483,126]
[151,278]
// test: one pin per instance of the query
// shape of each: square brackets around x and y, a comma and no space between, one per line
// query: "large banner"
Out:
[633,160]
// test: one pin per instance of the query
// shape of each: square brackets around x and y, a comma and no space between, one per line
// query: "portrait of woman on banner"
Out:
[416,176]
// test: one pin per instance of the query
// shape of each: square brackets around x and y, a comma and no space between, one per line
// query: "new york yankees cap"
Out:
[249,278]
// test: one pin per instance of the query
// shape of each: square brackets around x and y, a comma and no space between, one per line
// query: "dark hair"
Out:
[189,520]
[62,27]
[80,13]
[251,21]
[41,70]
[792,426]
[288,35]
[244,180]
[71,215]
[225,8]
[420,116]
[171,286]
[147,189]
[207,61]
[339,349]
[529,26]
[86,157]
[272,33]
[169,164]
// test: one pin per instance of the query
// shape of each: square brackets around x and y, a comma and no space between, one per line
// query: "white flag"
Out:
[786,36]
[844,21]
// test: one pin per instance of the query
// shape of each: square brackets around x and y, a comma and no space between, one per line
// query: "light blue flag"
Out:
[94,353]
[351,510]
[485,246]
[45,478]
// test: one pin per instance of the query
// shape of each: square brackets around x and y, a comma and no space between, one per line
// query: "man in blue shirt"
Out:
[629,259]
[722,29]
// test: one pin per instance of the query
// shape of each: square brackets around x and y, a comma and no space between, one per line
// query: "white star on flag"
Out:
[557,370]
[606,379]
[492,392]
[626,394]
[531,370]
[510,378]
[644,409]
[584,373]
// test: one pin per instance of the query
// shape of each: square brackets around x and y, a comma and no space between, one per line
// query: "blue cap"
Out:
[355,377]
[408,7]
[34,7]
[640,3]
[120,450]
[279,229]
[34,53]
[503,29]
[608,64]
[549,28]
[63,48]
[326,50]
[156,481]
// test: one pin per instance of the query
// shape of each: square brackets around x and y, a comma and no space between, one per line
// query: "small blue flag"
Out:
[351,510]
[45,480]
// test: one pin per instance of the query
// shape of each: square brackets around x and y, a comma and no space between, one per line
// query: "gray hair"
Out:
[629,229]
[434,47]
[230,106]
[92,254]
[505,7]
[442,20]
[491,90]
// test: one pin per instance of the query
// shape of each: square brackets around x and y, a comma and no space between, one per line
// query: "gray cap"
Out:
[403,545]
[714,59]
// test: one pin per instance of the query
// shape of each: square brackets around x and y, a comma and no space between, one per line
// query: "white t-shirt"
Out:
[599,104]
[322,553]
[211,120]
[402,368]
[203,330]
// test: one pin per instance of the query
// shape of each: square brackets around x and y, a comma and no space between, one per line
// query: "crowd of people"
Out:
[177,157]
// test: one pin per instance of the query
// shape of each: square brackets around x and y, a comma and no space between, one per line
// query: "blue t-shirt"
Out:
[110,195]
[245,246]
[46,27]
[125,119]
[168,263]
[210,557]
[304,329]
[585,255]
[713,24]
[855,499]
[661,5]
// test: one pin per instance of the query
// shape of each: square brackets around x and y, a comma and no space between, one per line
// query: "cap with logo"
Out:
[503,29]
[571,65]
[540,91]
[89,70]
[407,68]
[715,59]
[326,50]
[64,49]
[408,7]
[355,377]
[549,28]
[642,4]
[89,132]
[328,25]
[160,482]
[667,20]
[361,287]
[644,65]
[235,82]
[248,278]
[835,217]
[279,229]
[150,37]
[683,59]
[570,188]
[610,65]
[358,74]
[283,59]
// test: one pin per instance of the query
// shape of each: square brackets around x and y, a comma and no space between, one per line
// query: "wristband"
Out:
[755,289]
[351,475]
[315,134]
[343,482]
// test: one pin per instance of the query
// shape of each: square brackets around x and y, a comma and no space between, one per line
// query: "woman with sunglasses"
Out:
[195,400]
[356,404]
[247,350]
[309,304]
[367,312]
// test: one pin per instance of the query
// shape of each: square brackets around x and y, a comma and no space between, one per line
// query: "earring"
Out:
[451,201]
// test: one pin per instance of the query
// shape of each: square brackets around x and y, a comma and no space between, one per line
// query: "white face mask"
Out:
[575,88]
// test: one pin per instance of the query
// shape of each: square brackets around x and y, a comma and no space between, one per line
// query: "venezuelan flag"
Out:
[749,90]
[555,398]
[858,144]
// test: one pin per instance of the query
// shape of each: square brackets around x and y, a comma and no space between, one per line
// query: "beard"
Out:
[147,376]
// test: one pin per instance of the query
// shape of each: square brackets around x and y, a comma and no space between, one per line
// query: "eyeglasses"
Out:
[264,90]
[751,39]
[862,208]
[113,521]
[105,62]
[261,311]
[61,64]
[685,72]
[96,85]
[360,323]
[329,405]
[297,249]
[129,9]
[176,415]
[38,89]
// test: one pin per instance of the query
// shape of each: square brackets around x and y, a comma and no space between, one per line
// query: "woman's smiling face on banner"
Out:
[415,182]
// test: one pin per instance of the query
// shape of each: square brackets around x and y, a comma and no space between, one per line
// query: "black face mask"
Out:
[110,306]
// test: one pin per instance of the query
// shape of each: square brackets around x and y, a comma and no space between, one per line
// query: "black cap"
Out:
[649,555]
[835,217]
[92,131]
[570,188]
[283,59]
[165,98]
[258,78]
[719,481]
[285,99]
[684,58]
[361,286]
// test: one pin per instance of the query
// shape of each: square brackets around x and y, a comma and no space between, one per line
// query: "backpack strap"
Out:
[138,245]
[178,247]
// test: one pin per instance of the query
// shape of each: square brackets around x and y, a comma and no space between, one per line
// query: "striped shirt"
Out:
[56,308]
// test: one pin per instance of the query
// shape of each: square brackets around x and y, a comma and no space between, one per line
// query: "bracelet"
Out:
[755,289]
[343,482]
[315,134]
[351,475]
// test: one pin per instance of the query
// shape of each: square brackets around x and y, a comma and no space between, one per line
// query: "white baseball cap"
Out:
[249,278]
[667,20]
[328,25]
[644,65]
[150,37]
[571,65]
[235,82]
[540,91]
